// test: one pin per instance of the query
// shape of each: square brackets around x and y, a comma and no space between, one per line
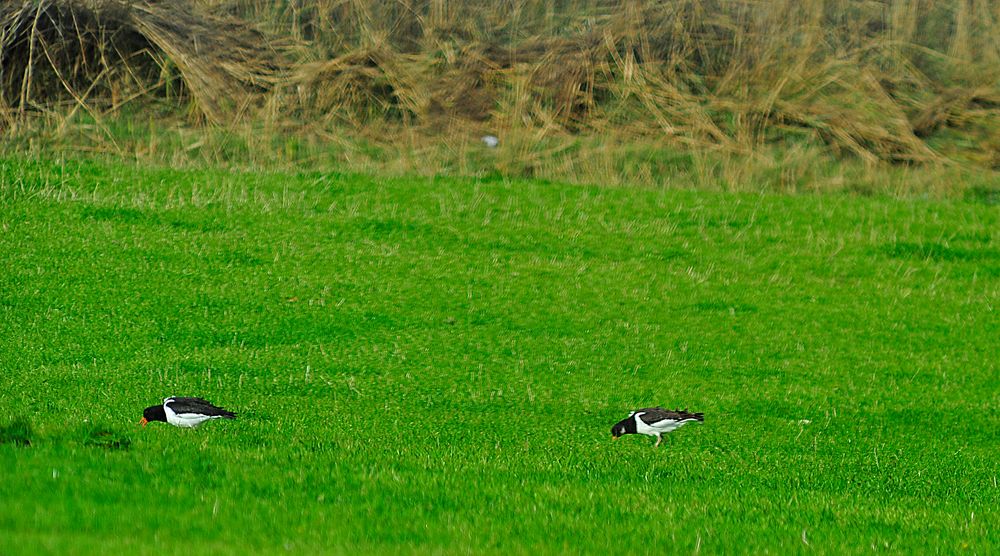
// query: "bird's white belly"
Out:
[184,420]
[656,428]
[659,427]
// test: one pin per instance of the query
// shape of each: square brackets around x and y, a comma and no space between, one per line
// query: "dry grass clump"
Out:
[99,54]
[361,84]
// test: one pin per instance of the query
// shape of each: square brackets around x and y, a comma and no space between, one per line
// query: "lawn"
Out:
[434,365]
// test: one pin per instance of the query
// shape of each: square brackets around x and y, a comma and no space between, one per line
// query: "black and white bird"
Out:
[184,412]
[654,421]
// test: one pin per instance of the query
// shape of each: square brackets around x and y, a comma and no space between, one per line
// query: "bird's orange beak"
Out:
[613,437]
[143,422]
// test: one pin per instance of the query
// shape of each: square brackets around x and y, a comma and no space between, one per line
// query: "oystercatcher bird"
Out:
[184,412]
[654,421]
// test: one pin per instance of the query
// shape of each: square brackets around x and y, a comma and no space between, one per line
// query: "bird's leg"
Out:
[658,439]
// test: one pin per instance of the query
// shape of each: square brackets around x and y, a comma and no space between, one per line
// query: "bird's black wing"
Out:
[652,415]
[198,406]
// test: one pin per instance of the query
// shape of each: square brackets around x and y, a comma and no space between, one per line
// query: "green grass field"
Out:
[434,365]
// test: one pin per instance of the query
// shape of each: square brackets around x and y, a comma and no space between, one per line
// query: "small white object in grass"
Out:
[490,141]
[804,422]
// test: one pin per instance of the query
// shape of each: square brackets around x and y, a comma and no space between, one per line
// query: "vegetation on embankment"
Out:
[790,95]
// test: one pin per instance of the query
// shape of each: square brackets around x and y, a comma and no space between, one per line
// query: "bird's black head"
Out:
[625,426]
[153,413]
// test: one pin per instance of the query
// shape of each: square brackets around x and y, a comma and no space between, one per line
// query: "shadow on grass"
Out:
[18,433]
[989,196]
[939,252]
[98,437]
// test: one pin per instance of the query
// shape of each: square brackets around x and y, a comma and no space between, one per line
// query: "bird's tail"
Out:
[700,417]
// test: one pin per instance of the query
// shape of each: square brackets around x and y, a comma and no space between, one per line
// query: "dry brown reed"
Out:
[900,81]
